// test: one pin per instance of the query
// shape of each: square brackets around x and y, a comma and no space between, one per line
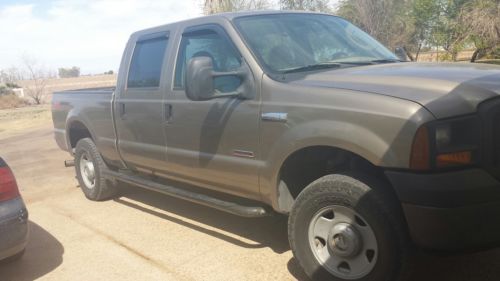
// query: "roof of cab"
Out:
[228,16]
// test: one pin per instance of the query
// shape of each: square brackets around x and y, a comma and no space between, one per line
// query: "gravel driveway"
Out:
[146,236]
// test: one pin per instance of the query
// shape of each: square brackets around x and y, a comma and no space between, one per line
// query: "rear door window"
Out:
[146,65]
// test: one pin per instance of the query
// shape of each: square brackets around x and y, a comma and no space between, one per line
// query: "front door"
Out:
[213,143]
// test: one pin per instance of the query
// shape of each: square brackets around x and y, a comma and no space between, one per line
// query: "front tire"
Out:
[89,167]
[344,227]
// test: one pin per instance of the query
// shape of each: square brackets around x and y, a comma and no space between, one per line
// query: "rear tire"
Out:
[89,167]
[344,227]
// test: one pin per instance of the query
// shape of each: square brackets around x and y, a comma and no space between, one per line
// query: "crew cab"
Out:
[305,115]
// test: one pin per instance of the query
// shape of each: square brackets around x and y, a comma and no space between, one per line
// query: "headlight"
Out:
[443,135]
[447,143]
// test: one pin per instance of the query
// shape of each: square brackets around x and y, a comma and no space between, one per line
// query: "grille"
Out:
[496,140]
[490,115]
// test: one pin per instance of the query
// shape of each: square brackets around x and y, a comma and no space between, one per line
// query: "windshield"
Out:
[287,42]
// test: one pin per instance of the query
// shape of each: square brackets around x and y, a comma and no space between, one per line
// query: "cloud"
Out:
[90,34]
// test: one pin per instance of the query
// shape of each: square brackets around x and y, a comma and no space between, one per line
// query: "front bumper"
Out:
[452,211]
[13,227]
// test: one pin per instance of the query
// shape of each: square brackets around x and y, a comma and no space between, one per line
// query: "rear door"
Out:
[139,113]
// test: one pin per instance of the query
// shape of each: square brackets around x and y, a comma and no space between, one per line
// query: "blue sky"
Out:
[90,34]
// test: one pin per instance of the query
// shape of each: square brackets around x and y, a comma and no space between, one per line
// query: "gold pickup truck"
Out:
[301,114]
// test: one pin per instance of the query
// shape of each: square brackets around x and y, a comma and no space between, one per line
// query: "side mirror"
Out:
[401,53]
[200,77]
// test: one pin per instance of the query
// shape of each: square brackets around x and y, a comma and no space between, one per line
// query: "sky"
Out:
[90,34]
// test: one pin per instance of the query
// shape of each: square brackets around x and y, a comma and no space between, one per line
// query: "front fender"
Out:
[383,145]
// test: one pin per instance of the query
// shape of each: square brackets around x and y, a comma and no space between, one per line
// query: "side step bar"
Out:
[226,206]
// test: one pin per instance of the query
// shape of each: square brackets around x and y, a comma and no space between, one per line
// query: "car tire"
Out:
[89,167]
[348,227]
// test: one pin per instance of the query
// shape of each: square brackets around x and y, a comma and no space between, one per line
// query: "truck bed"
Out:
[98,90]
[94,110]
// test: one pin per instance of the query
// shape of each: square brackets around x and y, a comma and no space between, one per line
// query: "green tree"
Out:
[69,72]
[423,15]
[4,90]
[449,32]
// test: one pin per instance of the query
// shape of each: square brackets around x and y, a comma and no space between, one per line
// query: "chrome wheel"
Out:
[343,242]
[87,171]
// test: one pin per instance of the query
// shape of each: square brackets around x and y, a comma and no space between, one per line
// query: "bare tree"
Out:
[221,6]
[383,19]
[38,76]
[10,75]
[481,19]
[308,5]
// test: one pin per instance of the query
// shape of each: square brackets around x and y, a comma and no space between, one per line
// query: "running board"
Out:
[202,199]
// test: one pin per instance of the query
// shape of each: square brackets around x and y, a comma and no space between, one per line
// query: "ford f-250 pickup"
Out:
[302,114]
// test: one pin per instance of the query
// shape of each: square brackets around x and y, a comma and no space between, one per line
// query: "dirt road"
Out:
[146,236]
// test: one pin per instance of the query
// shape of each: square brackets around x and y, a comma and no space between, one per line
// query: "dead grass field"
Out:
[12,101]
[63,84]
[18,120]
[16,117]
[464,56]
[433,55]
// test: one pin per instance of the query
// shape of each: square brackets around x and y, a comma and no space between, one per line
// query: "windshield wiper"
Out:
[385,61]
[337,64]
[356,62]
[313,67]
[370,62]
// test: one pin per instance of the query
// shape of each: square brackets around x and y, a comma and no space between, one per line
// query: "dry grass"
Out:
[11,101]
[433,56]
[17,120]
[63,84]
[16,116]
[492,61]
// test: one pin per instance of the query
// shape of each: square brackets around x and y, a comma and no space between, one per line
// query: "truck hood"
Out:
[445,89]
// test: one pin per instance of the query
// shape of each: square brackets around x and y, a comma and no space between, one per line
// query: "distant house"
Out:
[19,92]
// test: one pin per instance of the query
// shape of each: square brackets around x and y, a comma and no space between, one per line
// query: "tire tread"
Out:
[103,188]
[385,208]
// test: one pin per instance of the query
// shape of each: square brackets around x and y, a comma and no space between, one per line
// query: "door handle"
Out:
[167,112]
[122,110]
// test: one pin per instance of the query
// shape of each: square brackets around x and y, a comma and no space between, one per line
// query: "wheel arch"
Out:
[77,130]
[305,164]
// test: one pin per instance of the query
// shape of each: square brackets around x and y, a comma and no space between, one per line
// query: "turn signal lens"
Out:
[455,158]
[420,153]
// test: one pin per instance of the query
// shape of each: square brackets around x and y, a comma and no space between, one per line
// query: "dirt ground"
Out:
[17,120]
[142,235]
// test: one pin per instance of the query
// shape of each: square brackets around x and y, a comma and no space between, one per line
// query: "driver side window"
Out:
[209,43]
